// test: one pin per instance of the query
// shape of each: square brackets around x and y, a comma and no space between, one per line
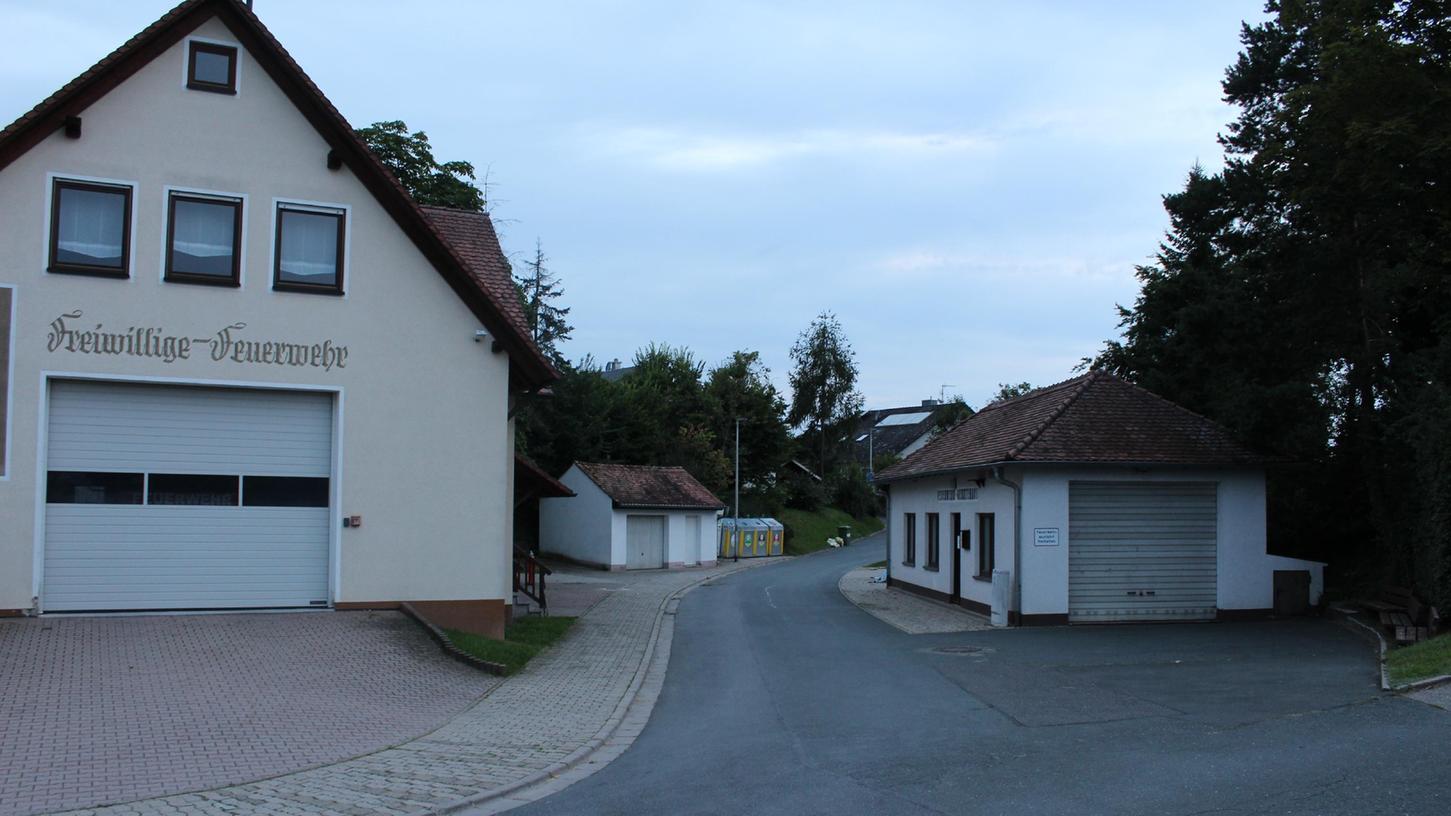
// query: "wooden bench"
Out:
[1402,614]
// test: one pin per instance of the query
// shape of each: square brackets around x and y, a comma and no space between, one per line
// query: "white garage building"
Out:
[631,517]
[1101,502]
[239,367]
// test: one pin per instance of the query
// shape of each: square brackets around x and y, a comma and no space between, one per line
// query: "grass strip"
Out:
[1429,658]
[523,639]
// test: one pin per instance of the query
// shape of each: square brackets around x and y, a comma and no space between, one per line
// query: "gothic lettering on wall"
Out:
[69,334]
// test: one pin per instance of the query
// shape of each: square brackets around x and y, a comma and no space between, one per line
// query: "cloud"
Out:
[925,264]
[689,151]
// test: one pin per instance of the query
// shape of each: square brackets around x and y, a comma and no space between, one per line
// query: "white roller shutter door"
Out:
[1141,551]
[181,542]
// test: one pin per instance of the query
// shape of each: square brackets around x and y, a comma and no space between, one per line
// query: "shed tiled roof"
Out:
[650,486]
[1093,419]
[486,300]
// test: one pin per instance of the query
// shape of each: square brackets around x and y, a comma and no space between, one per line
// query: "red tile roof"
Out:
[472,236]
[651,486]
[477,288]
[1093,419]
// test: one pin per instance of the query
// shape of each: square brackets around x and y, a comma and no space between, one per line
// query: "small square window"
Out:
[309,251]
[204,240]
[90,229]
[211,67]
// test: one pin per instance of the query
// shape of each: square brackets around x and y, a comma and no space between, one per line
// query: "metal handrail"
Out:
[529,574]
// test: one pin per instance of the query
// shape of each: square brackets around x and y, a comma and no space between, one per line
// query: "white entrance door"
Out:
[165,497]
[644,542]
[1141,551]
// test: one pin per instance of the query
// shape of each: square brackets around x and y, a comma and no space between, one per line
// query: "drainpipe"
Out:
[1017,542]
[888,490]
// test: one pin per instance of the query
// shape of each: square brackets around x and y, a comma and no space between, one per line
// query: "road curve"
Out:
[783,698]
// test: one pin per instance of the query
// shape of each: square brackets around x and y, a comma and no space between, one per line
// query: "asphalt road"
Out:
[783,698]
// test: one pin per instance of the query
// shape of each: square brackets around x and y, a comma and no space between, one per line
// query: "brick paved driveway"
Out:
[101,710]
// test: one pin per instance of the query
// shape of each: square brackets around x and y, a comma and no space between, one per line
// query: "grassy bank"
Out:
[523,639]
[807,530]
[1429,658]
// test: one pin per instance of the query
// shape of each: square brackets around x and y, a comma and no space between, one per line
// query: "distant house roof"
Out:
[891,430]
[650,486]
[614,371]
[472,280]
[1093,419]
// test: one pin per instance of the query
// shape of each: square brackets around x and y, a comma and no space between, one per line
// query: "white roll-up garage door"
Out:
[165,497]
[1142,551]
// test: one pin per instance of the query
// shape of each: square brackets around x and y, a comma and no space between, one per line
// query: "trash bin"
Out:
[727,537]
[844,533]
[775,535]
[1002,592]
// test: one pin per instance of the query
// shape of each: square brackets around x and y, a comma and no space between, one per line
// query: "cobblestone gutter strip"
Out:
[625,723]
[448,646]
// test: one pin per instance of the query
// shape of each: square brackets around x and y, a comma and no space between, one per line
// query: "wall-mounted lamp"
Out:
[480,335]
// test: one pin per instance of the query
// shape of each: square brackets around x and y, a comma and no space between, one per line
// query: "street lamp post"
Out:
[736,530]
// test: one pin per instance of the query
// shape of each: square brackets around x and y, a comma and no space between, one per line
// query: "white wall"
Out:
[580,527]
[1245,569]
[919,496]
[426,447]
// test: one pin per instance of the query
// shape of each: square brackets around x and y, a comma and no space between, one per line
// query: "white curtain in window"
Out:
[309,251]
[92,226]
[203,229]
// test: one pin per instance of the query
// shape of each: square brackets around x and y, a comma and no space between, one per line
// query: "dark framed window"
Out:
[909,539]
[986,545]
[309,250]
[211,67]
[284,491]
[90,229]
[934,533]
[77,487]
[204,239]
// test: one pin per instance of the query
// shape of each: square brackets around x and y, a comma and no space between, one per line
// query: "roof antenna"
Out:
[942,392]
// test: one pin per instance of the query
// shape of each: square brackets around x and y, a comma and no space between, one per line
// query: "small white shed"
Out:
[631,517]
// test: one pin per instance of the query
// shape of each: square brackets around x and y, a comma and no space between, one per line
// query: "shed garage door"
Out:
[163,497]
[644,542]
[1141,551]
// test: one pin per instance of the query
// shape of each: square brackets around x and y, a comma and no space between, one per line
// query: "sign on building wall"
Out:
[1045,536]
[72,333]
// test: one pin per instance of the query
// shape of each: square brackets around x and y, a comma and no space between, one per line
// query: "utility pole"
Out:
[736,530]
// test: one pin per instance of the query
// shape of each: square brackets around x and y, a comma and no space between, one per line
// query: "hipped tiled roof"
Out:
[648,486]
[478,288]
[1093,419]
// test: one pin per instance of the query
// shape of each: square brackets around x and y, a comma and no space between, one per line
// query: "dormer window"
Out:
[211,67]
[90,229]
[309,249]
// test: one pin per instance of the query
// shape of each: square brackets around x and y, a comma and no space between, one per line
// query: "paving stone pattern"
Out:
[910,613]
[527,724]
[112,709]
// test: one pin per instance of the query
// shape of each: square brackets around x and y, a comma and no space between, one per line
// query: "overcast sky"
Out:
[967,185]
